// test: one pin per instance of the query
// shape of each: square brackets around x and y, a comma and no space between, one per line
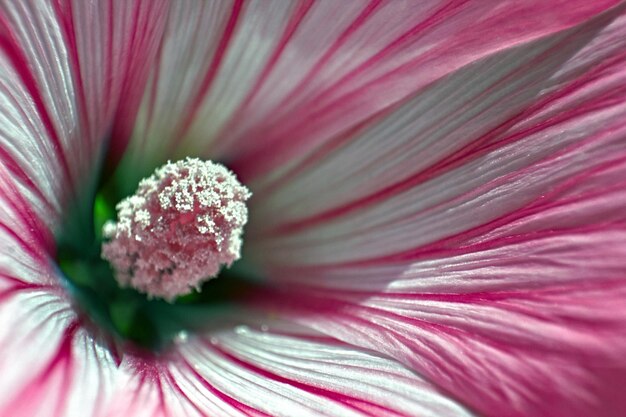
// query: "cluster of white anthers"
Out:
[183,223]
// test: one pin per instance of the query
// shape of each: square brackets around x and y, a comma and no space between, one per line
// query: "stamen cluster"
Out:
[183,223]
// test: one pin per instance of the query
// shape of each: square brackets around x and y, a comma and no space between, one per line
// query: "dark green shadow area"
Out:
[125,314]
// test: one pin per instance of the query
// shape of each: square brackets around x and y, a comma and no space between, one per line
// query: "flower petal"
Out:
[486,161]
[57,106]
[38,357]
[51,366]
[257,83]
[492,261]
[282,370]
[516,353]
[210,54]
[66,71]
[372,62]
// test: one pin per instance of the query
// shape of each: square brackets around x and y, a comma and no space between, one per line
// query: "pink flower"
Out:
[438,226]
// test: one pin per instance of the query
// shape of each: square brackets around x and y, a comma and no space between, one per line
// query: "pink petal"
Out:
[210,55]
[259,83]
[517,353]
[66,70]
[320,88]
[51,366]
[279,370]
[59,93]
[438,185]
[491,261]
[56,108]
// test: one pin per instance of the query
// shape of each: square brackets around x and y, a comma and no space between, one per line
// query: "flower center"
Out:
[179,228]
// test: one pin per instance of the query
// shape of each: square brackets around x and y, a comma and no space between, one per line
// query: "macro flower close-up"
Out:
[312,208]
